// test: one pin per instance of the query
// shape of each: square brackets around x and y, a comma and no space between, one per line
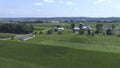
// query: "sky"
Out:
[59,8]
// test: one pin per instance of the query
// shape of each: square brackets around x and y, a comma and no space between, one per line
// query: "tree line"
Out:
[16,28]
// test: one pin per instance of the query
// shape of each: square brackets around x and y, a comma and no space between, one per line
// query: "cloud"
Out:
[69,3]
[38,4]
[102,1]
[49,1]
[21,12]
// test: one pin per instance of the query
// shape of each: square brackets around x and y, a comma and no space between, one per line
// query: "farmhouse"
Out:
[87,27]
[84,27]
[76,28]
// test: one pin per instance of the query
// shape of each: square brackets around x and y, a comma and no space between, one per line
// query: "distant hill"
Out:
[63,19]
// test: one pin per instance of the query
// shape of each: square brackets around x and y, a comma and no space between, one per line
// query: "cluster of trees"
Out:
[108,30]
[31,21]
[100,28]
[16,28]
[51,31]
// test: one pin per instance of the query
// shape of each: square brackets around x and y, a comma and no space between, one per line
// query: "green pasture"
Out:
[68,50]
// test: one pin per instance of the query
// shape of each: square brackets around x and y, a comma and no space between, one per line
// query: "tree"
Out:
[72,26]
[109,32]
[80,25]
[99,28]
[16,28]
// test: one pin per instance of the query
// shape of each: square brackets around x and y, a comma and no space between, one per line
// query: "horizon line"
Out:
[65,17]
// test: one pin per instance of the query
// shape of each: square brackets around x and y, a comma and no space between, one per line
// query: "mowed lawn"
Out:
[69,50]
[25,55]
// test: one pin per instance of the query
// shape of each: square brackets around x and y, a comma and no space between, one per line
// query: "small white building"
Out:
[61,28]
[76,28]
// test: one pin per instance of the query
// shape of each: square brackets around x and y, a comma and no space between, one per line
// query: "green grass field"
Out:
[68,50]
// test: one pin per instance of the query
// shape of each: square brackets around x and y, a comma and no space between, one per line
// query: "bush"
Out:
[59,33]
[35,32]
[40,32]
[49,32]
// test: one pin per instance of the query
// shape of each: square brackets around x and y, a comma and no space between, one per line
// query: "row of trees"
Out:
[16,28]
[33,22]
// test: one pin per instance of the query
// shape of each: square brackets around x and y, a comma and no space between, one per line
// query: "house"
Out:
[84,27]
[87,27]
[76,28]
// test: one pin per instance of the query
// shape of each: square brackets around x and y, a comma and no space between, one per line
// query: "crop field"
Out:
[68,50]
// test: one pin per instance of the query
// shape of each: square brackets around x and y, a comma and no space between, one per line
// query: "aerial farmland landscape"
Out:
[60,34]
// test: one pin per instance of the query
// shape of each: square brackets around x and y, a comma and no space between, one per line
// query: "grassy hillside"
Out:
[68,50]
[25,55]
